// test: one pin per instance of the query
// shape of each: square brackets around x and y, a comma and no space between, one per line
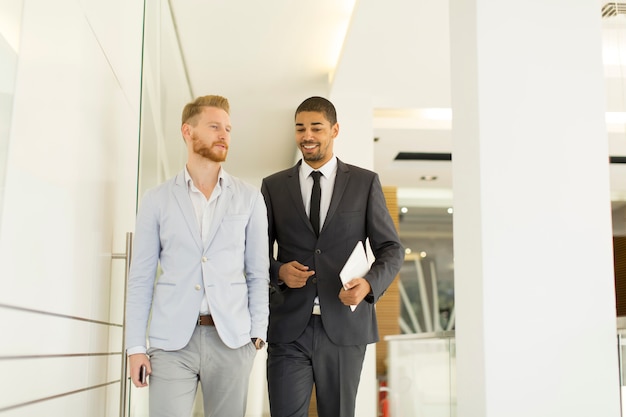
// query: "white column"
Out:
[355,143]
[532,229]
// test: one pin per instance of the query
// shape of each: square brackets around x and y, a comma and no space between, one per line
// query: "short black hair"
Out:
[321,105]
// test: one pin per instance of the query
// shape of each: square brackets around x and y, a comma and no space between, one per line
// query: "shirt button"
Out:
[198,287]
[204,259]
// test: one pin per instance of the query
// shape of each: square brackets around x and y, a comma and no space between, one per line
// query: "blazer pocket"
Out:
[351,215]
[235,217]
[232,236]
[350,224]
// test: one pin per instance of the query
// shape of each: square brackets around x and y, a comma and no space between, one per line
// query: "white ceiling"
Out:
[266,57]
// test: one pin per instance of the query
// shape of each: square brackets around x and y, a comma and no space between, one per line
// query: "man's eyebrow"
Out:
[313,123]
[215,122]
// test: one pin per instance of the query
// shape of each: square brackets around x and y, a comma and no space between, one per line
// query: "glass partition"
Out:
[164,92]
[426,281]
[621,352]
[10,23]
[421,378]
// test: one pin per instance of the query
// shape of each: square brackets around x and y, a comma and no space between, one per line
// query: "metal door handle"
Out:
[127,255]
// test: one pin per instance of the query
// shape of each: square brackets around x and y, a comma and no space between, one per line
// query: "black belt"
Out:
[205,320]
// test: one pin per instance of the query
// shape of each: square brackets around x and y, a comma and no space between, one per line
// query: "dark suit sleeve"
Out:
[274,264]
[384,241]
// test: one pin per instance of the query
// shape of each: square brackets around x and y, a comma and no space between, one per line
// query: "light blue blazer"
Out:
[233,270]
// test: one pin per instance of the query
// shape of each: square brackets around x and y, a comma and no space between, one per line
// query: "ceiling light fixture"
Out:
[428,177]
[613,8]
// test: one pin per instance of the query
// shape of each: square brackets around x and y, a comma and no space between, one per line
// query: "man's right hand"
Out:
[294,274]
[135,361]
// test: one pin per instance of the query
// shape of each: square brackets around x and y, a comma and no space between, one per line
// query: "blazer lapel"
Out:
[184,202]
[221,207]
[341,182]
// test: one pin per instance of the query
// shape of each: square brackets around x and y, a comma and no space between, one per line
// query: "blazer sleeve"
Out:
[143,268]
[256,268]
[274,264]
[384,241]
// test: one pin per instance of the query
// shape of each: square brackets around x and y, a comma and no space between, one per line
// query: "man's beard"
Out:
[209,153]
[317,156]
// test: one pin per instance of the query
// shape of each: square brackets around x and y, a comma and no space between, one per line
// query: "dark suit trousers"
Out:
[293,368]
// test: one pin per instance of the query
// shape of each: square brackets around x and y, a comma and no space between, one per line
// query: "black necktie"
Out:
[314,211]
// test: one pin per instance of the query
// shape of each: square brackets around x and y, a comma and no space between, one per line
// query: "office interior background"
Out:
[91,94]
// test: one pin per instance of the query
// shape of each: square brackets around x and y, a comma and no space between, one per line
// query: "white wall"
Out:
[534,285]
[69,200]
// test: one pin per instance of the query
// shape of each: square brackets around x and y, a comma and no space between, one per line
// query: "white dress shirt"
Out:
[327,184]
[204,209]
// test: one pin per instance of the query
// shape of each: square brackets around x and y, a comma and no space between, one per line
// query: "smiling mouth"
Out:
[309,146]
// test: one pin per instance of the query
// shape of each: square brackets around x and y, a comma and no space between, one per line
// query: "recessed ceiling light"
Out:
[404,210]
[450,210]
[428,177]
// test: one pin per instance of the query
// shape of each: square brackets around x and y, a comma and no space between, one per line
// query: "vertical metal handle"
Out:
[124,377]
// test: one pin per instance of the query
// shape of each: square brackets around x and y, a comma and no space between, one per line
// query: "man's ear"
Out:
[335,130]
[185,129]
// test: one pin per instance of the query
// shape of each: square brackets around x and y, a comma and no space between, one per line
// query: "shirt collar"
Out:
[192,186]
[326,169]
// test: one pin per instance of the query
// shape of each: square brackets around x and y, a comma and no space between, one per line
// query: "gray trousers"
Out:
[223,374]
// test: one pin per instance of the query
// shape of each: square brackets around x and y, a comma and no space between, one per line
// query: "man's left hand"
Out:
[354,291]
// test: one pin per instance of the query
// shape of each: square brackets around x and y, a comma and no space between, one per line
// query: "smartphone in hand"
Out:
[143,374]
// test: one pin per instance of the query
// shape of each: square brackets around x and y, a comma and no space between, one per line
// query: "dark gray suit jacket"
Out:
[357,211]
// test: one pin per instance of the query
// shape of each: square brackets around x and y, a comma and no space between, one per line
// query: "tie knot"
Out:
[316,176]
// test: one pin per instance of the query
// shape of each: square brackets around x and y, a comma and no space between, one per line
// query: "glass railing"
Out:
[421,375]
[621,352]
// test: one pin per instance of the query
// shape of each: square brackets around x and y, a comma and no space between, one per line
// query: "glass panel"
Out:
[10,23]
[427,276]
[421,377]
[164,92]
[621,352]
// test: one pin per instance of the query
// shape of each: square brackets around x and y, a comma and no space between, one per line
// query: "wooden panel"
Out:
[619,260]
[388,307]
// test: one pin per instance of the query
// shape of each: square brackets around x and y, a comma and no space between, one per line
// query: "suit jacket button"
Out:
[198,287]
[314,280]
[318,251]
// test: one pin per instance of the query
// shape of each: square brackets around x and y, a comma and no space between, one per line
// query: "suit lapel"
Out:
[184,202]
[341,182]
[221,207]
[293,188]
